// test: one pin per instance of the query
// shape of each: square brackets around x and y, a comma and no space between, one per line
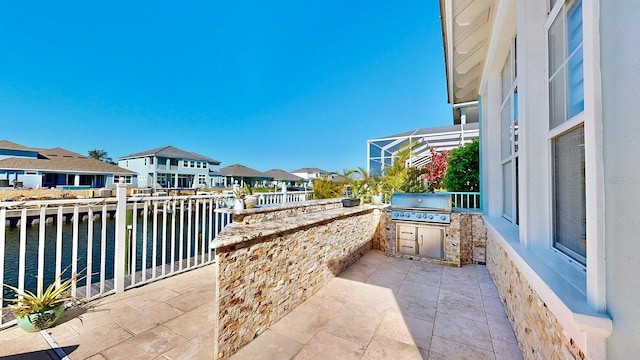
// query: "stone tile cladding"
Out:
[478,239]
[464,243]
[264,278]
[539,334]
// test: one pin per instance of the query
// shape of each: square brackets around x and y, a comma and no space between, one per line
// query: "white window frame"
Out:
[508,99]
[202,179]
[128,179]
[565,126]
[591,119]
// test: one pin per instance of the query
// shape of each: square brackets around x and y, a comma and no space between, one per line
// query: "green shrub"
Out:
[327,188]
[463,173]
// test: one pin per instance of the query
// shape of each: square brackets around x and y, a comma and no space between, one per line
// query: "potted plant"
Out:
[37,312]
[250,200]
[350,202]
[239,194]
[358,183]
[375,190]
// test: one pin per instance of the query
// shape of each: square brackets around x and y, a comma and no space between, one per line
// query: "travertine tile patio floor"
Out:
[379,308]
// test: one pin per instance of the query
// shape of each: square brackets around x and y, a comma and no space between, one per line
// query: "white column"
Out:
[533,122]
[121,234]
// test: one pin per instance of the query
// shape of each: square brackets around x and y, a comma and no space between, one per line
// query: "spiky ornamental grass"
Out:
[26,302]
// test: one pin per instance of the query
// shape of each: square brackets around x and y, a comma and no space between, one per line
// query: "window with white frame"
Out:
[509,137]
[128,179]
[202,179]
[566,128]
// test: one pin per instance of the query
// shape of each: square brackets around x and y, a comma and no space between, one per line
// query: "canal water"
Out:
[12,249]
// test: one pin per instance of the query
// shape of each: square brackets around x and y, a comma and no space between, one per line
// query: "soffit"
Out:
[466,27]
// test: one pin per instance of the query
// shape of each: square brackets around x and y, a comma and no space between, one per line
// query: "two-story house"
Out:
[170,167]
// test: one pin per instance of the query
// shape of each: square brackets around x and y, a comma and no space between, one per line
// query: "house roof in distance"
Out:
[171,152]
[278,174]
[310,170]
[56,159]
[6,144]
[238,170]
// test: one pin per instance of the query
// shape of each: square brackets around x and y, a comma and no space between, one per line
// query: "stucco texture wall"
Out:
[620,76]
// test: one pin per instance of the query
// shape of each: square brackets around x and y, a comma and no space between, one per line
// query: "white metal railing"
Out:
[465,200]
[286,197]
[120,242]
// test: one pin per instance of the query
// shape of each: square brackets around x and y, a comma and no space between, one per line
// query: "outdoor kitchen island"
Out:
[424,227]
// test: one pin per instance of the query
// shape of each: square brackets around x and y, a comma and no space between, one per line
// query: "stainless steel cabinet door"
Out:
[430,242]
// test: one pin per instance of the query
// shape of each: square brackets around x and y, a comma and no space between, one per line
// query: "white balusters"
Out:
[89,252]
[41,240]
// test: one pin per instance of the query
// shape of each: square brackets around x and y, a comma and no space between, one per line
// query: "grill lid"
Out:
[422,201]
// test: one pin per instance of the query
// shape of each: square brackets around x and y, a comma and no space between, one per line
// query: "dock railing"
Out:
[120,242]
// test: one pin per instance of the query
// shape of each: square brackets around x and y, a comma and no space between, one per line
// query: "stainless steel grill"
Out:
[421,223]
[422,207]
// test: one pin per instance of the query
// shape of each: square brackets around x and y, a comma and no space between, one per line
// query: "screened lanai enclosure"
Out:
[383,152]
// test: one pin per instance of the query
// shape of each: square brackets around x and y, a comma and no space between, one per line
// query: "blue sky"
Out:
[277,84]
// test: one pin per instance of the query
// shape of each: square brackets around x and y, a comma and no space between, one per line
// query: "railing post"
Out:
[121,234]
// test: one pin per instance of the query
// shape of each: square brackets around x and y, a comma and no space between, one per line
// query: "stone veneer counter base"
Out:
[464,243]
[266,269]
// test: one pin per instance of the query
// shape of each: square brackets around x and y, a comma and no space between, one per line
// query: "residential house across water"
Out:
[171,167]
[310,173]
[23,166]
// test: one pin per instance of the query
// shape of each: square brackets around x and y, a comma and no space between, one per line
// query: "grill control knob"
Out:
[430,217]
[442,217]
[395,214]
[407,215]
[419,216]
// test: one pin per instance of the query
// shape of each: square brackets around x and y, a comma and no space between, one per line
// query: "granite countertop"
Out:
[236,233]
[277,207]
[466,211]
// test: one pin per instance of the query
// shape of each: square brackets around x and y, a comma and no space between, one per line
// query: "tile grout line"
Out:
[54,345]
[484,310]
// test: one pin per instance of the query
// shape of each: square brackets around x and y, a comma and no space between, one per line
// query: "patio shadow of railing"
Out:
[42,354]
